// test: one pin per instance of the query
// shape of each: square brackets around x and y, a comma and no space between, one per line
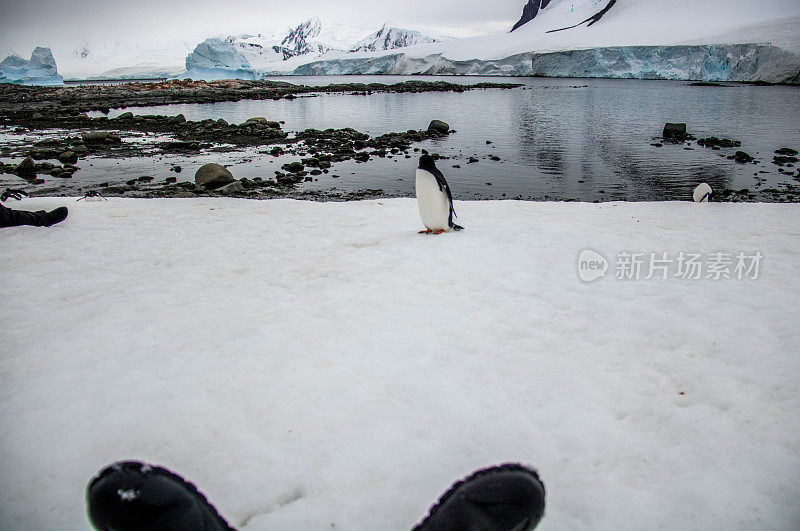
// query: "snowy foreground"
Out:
[320,365]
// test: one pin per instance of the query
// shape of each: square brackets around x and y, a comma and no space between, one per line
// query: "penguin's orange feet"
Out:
[439,231]
[427,231]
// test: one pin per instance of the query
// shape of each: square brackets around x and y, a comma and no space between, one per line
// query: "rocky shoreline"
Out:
[23,101]
[55,137]
[43,109]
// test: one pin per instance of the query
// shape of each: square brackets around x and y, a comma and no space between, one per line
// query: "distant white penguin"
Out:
[702,193]
[434,198]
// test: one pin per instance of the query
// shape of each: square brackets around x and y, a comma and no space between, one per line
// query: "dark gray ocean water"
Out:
[559,139]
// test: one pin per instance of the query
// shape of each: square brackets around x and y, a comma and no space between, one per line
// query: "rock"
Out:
[171,180]
[742,158]
[125,116]
[293,167]
[438,127]
[26,168]
[676,130]
[211,176]
[37,116]
[222,123]
[145,179]
[79,149]
[530,11]
[68,157]
[100,136]
[261,121]
[233,188]
[179,119]
[781,160]
[716,143]
[786,151]
[176,169]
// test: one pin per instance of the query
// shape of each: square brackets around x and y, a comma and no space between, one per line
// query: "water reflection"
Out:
[554,138]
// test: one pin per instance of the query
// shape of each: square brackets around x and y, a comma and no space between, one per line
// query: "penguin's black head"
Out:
[426,163]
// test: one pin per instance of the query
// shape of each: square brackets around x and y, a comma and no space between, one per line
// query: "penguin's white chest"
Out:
[434,207]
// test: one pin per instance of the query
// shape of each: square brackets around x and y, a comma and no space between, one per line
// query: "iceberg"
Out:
[40,70]
[217,59]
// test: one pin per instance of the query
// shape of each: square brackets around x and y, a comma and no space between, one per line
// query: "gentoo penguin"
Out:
[702,193]
[434,198]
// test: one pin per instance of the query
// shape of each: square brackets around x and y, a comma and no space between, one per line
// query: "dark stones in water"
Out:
[675,133]
[786,151]
[438,127]
[784,160]
[674,129]
[742,158]
[712,142]
[293,167]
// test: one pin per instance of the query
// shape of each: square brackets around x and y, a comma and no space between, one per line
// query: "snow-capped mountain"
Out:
[710,40]
[253,56]
[391,39]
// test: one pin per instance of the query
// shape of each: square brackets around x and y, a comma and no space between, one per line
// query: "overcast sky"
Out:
[59,23]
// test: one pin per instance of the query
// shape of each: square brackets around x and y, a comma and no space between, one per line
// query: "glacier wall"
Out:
[728,62]
[40,70]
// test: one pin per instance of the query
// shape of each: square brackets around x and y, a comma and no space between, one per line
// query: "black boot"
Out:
[40,218]
[502,498]
[132,496]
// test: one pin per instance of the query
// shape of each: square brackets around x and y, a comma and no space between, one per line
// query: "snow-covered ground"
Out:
[320,365]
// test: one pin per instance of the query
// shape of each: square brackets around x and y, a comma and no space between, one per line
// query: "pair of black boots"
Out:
[130,496]
[14,218]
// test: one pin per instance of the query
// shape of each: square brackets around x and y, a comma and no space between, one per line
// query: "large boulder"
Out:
[68,157]
[674,130]
[439,127]
[212,176]
[261,121]
[26,168]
